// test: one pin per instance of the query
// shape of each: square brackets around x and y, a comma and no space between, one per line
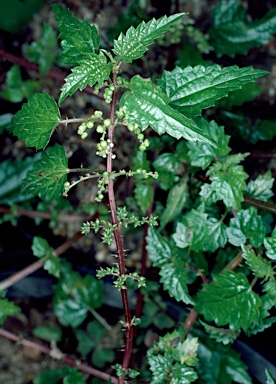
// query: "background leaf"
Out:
[232,33]
[192,89]
[48,333]
[261,187]
[143,192]
[174,279]
[44,50]
[48,175]
[11,175]
[36,121]
[248,92]
[270,245]
[257,264]
[75,296]
[246,226]
[227,182]
[7,308]
[176,200]
[167,165]
[159,248]
[202,154]
[192,231]
[16,89]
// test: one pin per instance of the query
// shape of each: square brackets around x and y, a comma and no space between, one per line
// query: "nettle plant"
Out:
[215,254]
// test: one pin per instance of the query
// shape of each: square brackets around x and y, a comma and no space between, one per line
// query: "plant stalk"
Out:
[119,239]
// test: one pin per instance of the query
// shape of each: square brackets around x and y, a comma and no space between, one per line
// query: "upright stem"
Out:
[118,238]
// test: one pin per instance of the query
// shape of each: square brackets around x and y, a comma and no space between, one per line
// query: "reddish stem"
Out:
[66,359]
[119,239]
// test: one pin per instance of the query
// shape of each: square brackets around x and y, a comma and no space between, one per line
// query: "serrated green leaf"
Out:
[192,231]
[174,279]
[134,43]
[159,249]
[175,202]
[7,308]
[11,175]
[232,33]
[270,245]
[16,89]
[202,154]
[192,89]
[229,300]
[147,105]
[75,296]
[48,175]
[182,374]
[143,192]
[48,333]
[247,225]
[217,237]
[160,367]
[227,182]
[93,70]
[79,38]
[36,121]
[259,266]
[261,187]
